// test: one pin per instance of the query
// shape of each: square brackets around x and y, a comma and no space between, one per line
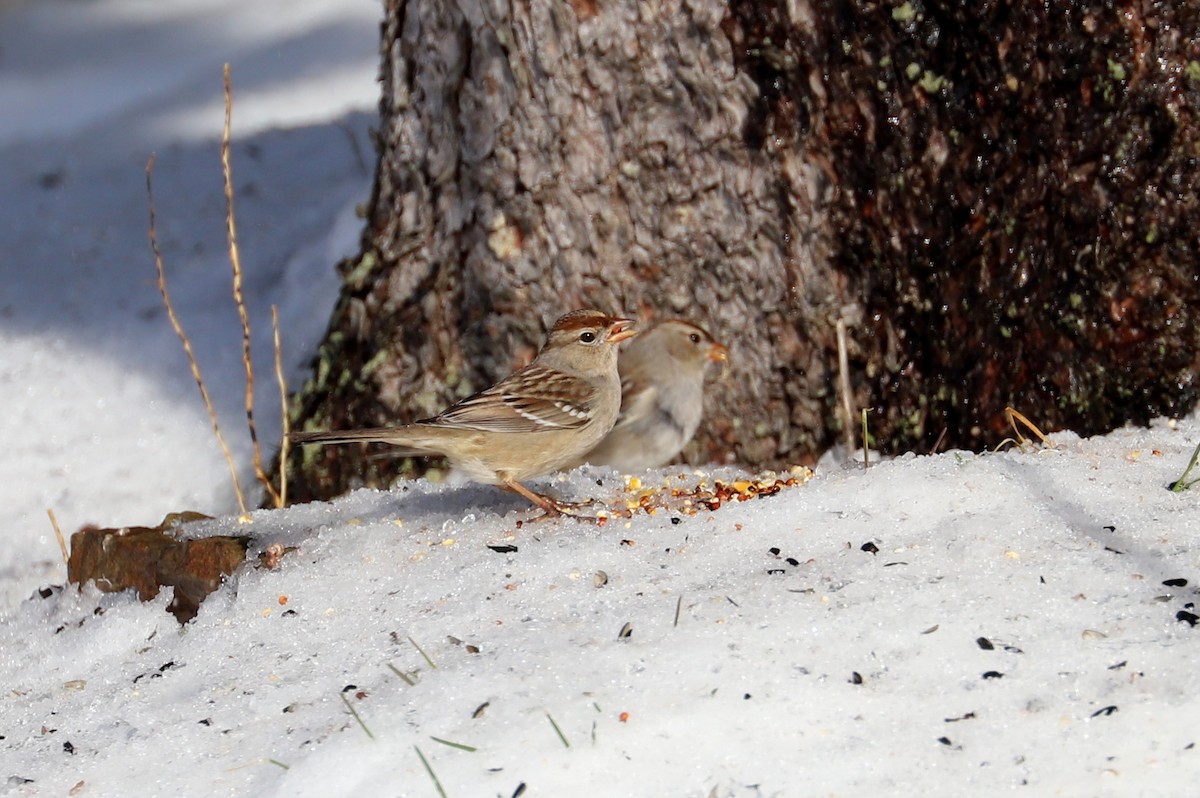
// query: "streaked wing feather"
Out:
[535,399]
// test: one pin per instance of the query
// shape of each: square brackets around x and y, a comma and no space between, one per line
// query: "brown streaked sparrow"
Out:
[536,421]
[662,379]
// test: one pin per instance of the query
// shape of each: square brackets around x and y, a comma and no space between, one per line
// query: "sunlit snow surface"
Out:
[823,669]
[1007,630]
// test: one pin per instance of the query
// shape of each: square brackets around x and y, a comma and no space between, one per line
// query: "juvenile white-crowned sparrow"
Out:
[539,419]
[662,381]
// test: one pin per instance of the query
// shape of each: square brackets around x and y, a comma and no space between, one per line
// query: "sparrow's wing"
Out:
[534,399]
[637,401]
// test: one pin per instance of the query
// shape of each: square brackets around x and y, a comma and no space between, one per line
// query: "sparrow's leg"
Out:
[550,505]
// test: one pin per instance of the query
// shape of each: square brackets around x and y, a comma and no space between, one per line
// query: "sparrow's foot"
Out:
[553,508]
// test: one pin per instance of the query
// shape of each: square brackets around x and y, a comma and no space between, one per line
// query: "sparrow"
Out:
[662,380]
[534,422]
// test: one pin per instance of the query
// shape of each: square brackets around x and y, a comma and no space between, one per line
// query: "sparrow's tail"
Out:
[399,437]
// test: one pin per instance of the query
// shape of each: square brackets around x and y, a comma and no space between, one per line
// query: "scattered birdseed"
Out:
[984,643]
[993,675]
[869,547]
[1175,582]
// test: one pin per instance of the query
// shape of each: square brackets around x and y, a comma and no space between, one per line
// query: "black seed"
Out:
[478,713]
[869,547]
[205,722]
[746,697]
[1119,665]
[984,643]
[517,793]
[944,740]
[856,677]
[890,564]
[288,613]
[599,483]
[773,551]
[1110,528]
[626,632]
[502,548]
[1105,711]
[1013,650]
[1190,617]
[792,561]
[968,716]
[993,675]
[67,747]
[349,687]
[774,571]
[1175,582]
[1114,551]
[676,520]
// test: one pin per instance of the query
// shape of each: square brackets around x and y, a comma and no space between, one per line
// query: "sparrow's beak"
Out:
[621,330]
[719,353]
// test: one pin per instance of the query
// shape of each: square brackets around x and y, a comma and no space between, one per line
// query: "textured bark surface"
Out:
[1017,201]
[541,157]
[998,197]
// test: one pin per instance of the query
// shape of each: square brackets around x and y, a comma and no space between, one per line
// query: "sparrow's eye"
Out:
[694,338]
[587,337]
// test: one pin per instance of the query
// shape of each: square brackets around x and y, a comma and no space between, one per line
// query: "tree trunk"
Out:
[998,199]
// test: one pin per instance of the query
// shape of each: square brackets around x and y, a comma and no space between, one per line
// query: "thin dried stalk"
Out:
[844,389]
[238,298]
[284,447]
[1013,415]
[187,345]
[62,542]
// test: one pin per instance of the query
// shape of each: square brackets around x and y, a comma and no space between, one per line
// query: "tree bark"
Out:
[541,157]
[999,214]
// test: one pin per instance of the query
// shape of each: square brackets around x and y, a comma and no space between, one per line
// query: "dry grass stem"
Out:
[429,770]
[239,300]
[866,442]
[280,498]
[844,389]
[187,345]
[357,717]
[1014,416]
[558,731]
[62,542]
[432,664]
[408,678]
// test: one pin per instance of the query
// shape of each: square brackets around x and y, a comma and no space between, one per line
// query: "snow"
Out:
[1008,628]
